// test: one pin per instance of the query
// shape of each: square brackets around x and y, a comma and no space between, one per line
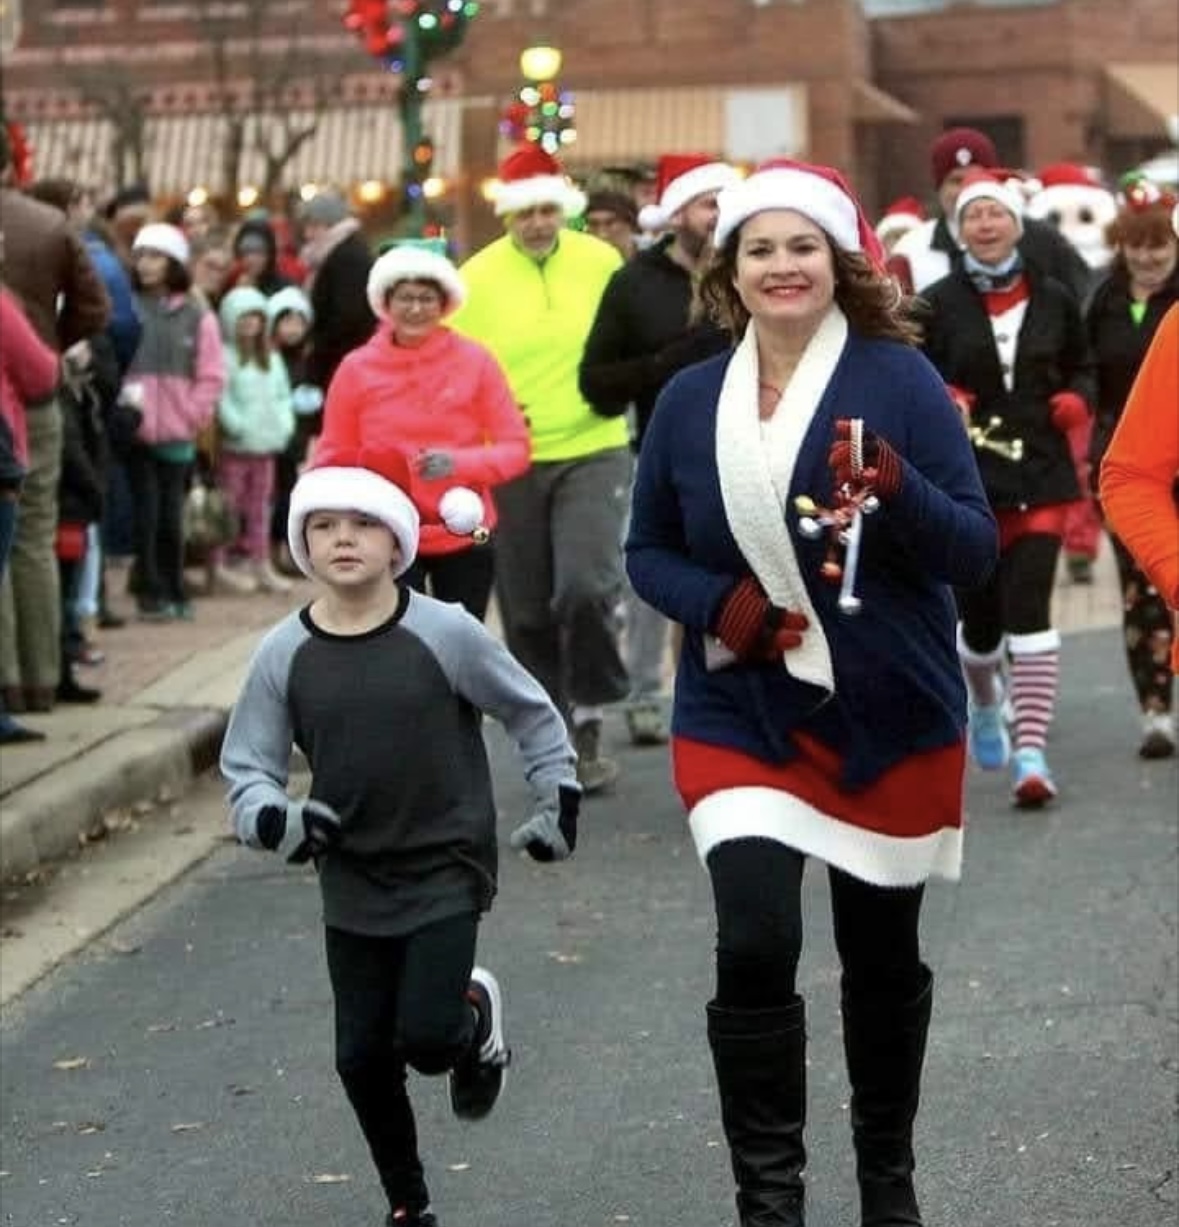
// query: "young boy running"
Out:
[383,690]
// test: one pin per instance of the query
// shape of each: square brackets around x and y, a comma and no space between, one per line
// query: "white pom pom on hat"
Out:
[409,262]
[680,178]
[461,510]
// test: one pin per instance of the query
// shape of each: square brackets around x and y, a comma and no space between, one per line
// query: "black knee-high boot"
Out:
[884,1040]
[760,1059]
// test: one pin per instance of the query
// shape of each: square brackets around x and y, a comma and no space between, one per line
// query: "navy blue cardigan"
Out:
[898,683]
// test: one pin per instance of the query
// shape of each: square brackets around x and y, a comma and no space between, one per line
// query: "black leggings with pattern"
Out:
[1148,629]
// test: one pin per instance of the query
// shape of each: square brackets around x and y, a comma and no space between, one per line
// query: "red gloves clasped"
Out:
[753,628]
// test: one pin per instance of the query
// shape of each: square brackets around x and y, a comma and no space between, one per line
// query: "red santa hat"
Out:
[819,193]
[959,147]
[900,216]
[358,481]
[680,178]
[1070,174]
[529,176]
[988,185]
[412,262]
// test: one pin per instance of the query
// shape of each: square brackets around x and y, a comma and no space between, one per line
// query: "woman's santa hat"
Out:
[413,262]
[988,185]
[899,218]
[374,484]
[679,179]
[819,193]
[528,177]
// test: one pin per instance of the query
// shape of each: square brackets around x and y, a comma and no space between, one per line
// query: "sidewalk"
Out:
[167,690]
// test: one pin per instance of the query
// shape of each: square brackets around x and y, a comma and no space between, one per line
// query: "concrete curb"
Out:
[45,820]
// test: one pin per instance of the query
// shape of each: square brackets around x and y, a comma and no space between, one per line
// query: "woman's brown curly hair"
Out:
[871,299]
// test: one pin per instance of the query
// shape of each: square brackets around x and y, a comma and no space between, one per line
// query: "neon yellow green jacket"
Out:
[535,318]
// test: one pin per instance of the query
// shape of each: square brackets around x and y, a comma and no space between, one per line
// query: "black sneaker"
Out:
[477,1079]
[407,1218]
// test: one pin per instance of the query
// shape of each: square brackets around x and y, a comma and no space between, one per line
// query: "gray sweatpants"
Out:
[559,574]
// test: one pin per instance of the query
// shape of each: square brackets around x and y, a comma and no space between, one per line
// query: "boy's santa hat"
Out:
[990,185]
[528,177]
[374,484]
[413,262]
[900,217]
[819,193]
[680,178]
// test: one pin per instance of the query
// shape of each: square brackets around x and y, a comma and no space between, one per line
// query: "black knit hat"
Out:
[607,200]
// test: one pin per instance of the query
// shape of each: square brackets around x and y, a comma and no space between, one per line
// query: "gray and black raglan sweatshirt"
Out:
[391,724]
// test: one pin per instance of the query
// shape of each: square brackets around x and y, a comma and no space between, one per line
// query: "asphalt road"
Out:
[179,1069]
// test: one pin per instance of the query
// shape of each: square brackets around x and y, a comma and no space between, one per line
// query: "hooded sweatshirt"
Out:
[255,408]
[447,393]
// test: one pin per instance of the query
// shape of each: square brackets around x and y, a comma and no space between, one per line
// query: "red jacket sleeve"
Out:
[30,364]
[341,413]
[506,451]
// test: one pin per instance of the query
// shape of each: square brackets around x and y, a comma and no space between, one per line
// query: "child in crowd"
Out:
[290,317]
[405,842]
[177,375]
[256,424]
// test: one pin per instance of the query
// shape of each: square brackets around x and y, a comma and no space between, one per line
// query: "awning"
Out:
[638,125]
[350,145]
[1142,99]
[871,105]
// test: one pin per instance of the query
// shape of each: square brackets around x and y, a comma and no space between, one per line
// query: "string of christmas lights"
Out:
[542,113]
[440,26]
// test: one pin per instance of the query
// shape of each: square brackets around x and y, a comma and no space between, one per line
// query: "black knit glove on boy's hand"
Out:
[550,834]
[881,465]
[300,830]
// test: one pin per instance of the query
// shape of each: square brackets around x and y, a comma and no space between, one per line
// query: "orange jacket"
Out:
[447,393]
[1141,467]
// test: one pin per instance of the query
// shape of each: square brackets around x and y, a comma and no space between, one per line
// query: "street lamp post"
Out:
[542,112]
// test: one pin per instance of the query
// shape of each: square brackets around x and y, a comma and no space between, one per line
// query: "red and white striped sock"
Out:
[1034,678]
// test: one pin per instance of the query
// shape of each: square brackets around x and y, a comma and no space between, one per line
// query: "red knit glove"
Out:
[964,401]
[1069,411]
[882,466]
[753,628]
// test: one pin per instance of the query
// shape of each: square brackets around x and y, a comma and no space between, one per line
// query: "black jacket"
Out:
[85,450]
[1052,355]
[641,337]
[339,300]
[1043,248]
[1119,345]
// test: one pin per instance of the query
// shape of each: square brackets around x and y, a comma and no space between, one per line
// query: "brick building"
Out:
[863,84]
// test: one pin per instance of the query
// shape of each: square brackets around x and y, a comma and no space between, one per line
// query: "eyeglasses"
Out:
[406,302]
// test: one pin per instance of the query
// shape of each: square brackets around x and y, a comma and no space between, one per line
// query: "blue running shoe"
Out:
[1032,785]
[990,745]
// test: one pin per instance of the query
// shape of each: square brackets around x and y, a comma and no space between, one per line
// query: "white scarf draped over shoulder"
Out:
[755,484]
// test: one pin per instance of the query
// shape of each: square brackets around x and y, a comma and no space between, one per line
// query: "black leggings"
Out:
[1148,629]
[400,1001]
[464,578]
[757,888]
[1017,599]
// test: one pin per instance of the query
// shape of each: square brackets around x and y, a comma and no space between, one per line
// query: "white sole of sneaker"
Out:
[493,1046]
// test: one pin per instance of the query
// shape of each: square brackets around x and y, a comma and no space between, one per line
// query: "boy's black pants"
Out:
[400,1002]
